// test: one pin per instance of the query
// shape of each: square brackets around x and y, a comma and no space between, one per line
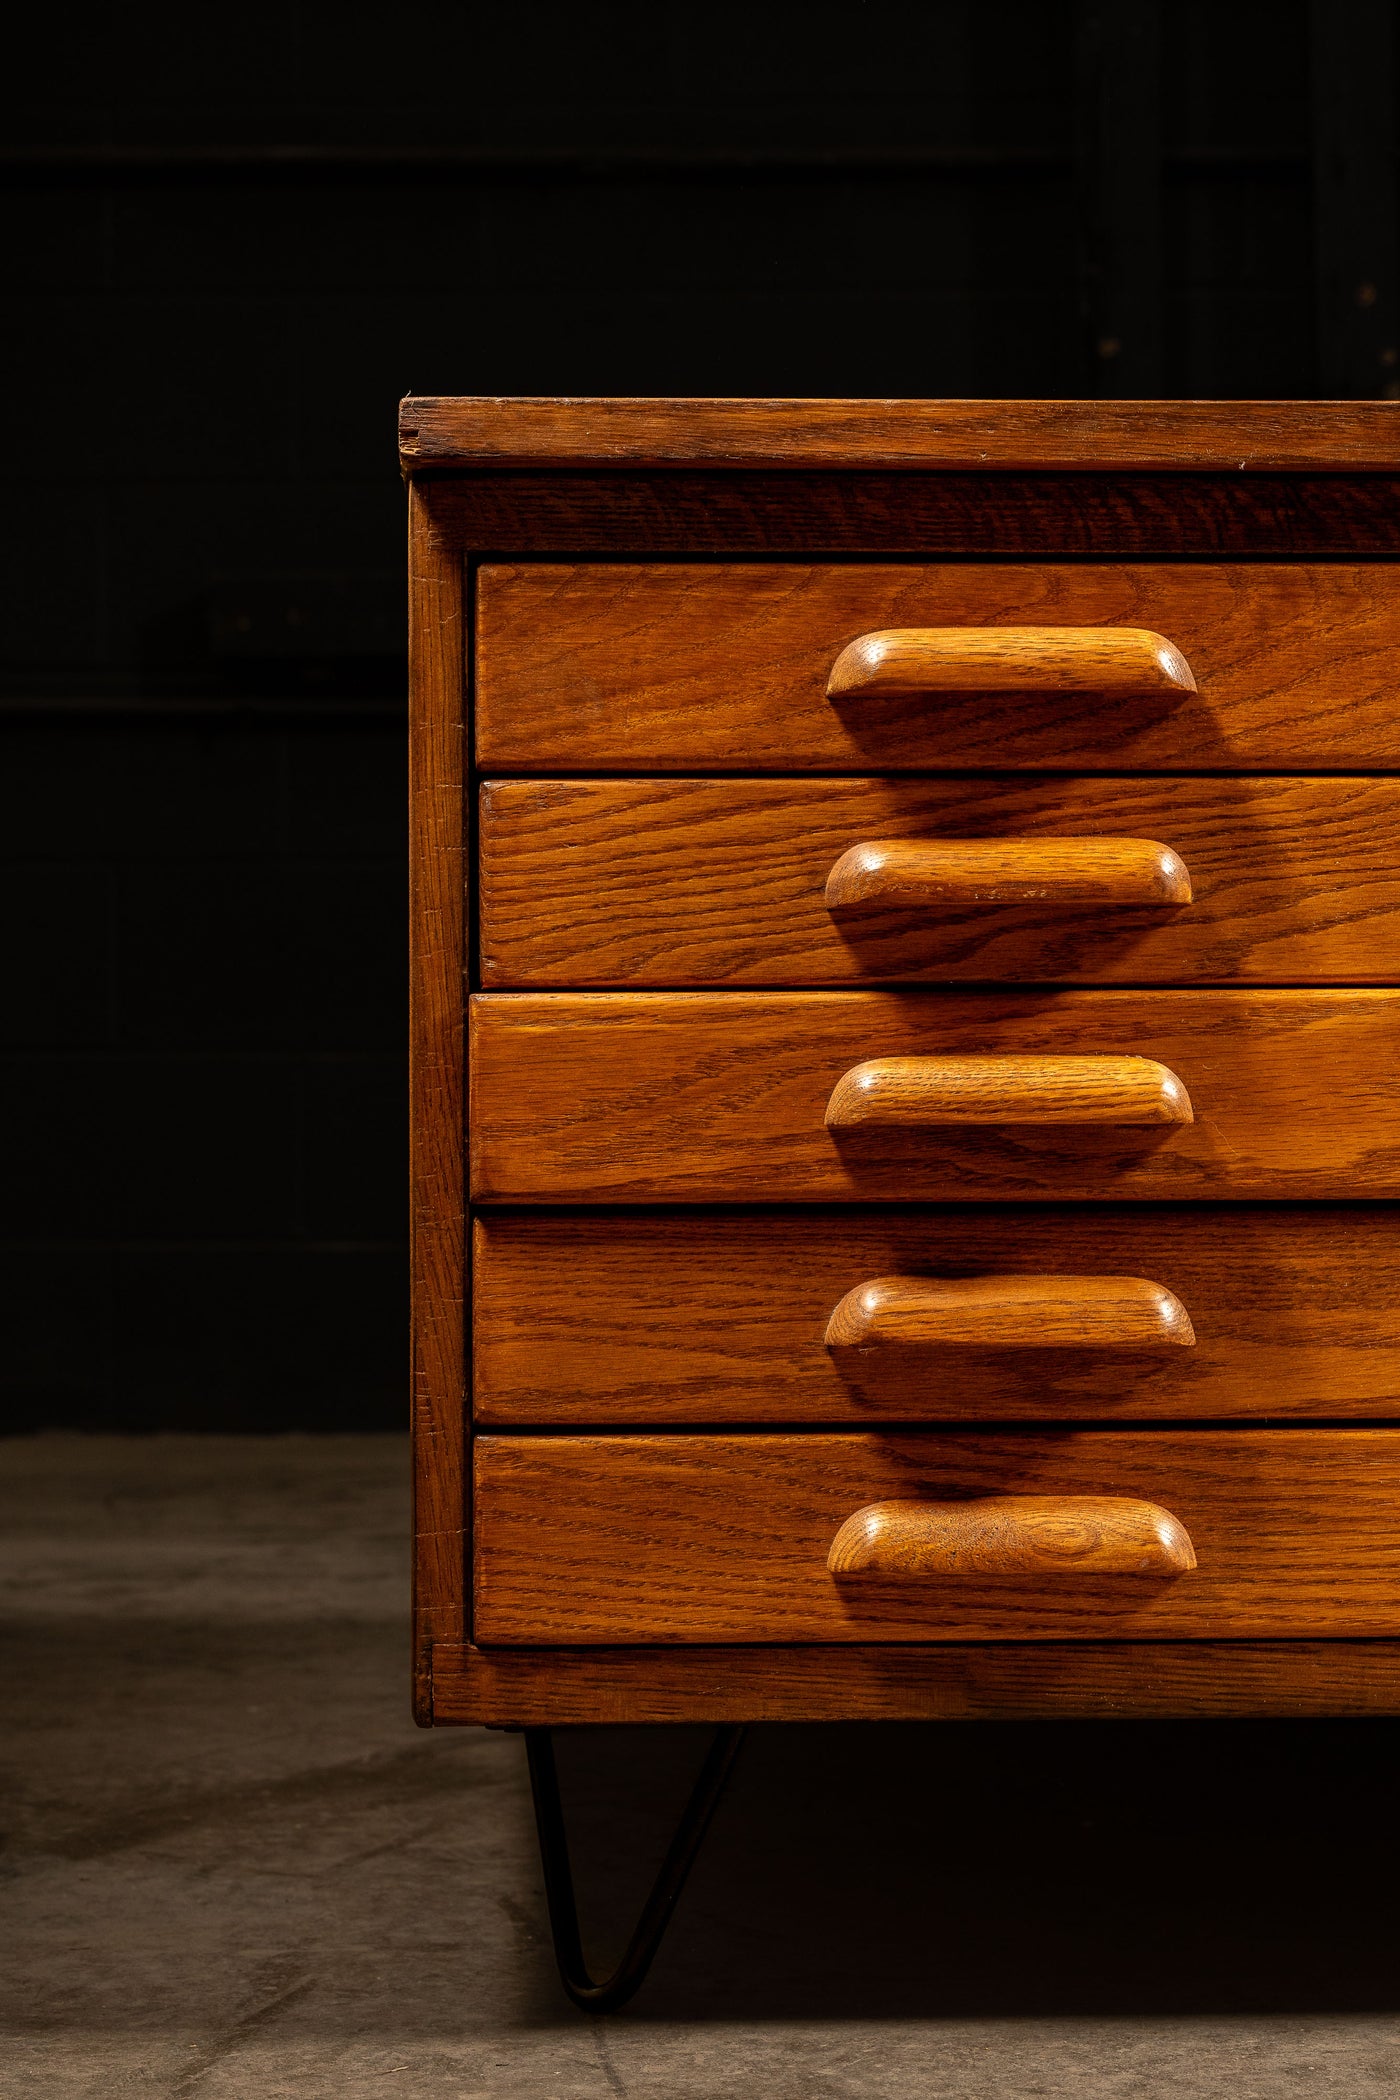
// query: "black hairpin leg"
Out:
[627,1977]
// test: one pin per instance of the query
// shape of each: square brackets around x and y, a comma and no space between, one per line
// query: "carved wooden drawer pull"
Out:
[1119,663]
[909,1092]
[1010,1312]
[911,872]
[1041,1535]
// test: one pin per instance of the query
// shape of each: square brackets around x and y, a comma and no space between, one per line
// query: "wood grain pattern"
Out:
[438,431]
[675,1317]
[1049,1537]
[437,942]
[691,882]
[1009,1312]
[931,875]
[1118,516]
[721,1096]
[709,1316]
[1117,663]
[1088,1680]
[920,1093]
[722,667]
[725,1538]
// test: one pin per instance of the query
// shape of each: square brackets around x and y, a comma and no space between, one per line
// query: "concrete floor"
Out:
[233,1867]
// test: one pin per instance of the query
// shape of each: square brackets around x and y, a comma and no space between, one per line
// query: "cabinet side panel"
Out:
[437,697]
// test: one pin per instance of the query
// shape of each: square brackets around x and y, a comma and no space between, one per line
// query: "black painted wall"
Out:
[201,685]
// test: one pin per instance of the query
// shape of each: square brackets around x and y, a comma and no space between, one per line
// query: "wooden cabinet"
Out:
[906,919]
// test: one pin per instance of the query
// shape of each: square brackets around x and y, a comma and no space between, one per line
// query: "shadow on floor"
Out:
[1006,1868]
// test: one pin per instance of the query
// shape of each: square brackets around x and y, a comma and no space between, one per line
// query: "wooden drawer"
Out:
[695,882]
[722,1096]
[683,1317]
[726,1538]
[724,666]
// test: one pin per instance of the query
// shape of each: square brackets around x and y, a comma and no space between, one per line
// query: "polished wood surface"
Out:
[684,1317]
[676,655]
[1001,1681]
[929,875]
[722,1096]
[676,882]
[725,1538]
[472,431]
[920,1093]
[437,1223]
[1052,1537]
[722,667]
[1118,663]
[1009,1312]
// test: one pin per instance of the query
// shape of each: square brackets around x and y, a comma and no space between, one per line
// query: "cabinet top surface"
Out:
[465,431]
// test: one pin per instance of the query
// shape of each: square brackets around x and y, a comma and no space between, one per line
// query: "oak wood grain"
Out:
[691,882]
[919,1093]
[437,943]
[687,1320]
[1050,1537]
[1009,1312]
[438,431]
[722,667]
[685,1317]
[721,1096]
[1089,1680]
[932,875]
[1116,663]
[725,1538]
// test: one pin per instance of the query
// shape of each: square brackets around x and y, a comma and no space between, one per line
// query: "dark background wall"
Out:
[232,239]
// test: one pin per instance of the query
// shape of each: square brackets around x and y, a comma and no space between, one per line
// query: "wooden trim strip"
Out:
[1017,436]
[700,510]
[437,937]
[554,1687]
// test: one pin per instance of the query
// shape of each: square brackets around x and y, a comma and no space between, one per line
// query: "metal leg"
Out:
[627,1977]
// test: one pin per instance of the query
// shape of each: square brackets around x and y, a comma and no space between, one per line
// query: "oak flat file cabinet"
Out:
[906,1065]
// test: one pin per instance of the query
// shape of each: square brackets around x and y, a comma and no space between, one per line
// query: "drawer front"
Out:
[639,1319]
[713,1097]
[724,667]
[726,1538]
[696,882]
